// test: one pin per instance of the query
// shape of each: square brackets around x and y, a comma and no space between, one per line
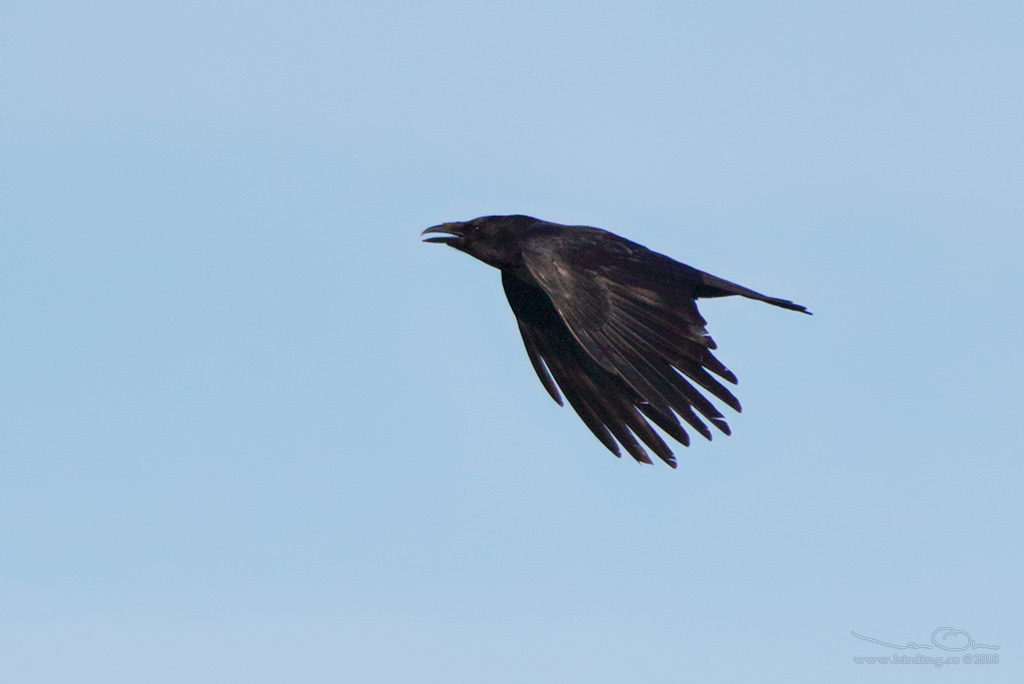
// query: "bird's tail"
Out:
[713,286]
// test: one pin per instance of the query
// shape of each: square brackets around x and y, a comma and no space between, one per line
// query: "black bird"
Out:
[614,324]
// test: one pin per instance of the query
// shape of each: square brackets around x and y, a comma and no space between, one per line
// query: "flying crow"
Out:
[612,323]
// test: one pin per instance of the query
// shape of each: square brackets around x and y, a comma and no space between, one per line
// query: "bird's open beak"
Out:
[453,236]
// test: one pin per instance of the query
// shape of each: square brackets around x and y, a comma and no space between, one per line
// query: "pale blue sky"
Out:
[254,431]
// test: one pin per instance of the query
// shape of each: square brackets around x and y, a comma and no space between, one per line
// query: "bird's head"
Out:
[493,240]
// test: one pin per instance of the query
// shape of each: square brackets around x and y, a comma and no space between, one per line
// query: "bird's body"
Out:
[613,324]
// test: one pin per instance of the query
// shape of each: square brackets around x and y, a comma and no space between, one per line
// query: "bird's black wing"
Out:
[633,312]
[605,402]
